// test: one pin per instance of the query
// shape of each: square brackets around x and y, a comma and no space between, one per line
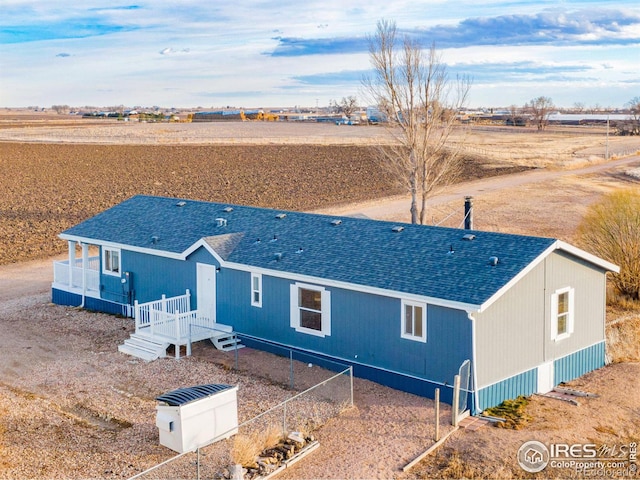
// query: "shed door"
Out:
[206,290]
[545,377]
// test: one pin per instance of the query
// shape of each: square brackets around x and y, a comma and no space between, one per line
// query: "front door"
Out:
[545,377]
[206,290]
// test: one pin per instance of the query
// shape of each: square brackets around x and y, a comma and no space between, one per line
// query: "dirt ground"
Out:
[72,407]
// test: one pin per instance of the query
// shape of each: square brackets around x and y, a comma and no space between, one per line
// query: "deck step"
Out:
[144,348]
[226,341]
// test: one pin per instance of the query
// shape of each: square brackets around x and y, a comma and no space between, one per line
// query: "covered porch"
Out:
[78,275]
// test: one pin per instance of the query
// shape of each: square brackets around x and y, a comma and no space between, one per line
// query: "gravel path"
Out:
[71,406]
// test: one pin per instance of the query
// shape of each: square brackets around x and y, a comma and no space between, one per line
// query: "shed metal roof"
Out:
[434,262]
[182,396]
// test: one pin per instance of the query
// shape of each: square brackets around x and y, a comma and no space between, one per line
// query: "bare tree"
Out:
[634,111]
[347,106]
[540,109]
[410,86]
[515,116]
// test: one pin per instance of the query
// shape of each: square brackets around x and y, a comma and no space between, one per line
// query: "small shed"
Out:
[188,418]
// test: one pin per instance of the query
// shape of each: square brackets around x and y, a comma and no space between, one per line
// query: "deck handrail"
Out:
[72,276]
[150,314]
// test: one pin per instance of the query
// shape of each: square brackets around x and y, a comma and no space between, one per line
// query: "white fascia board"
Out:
[517,278]
[467,307]
[124,246]
[578,252]
[202,243]
[557,245]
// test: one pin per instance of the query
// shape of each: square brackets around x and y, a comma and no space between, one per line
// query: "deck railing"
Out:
[171,319]
[72,276]
[155,314]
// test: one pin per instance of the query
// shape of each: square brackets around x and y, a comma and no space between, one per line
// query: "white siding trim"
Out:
[417,338]
[111,251]
[257,303]
[570,314]
[557,245]
[325,315]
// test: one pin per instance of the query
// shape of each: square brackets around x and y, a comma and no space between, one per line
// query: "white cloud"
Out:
[196,52]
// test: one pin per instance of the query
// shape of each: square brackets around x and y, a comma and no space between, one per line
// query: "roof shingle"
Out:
[423,260]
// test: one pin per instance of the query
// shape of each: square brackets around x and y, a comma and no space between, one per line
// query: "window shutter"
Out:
[554,316]
[571,311]
[295,312]
[326,312]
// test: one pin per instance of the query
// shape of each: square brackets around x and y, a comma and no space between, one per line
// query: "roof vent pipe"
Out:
[468,213]
[493,261]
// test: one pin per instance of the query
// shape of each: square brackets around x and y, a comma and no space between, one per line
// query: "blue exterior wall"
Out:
[525,383]
[60,297]
[577,364]
[365,331]
[565,369]
[154,276]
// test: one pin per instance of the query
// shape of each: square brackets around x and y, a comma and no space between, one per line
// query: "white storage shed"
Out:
[192,417]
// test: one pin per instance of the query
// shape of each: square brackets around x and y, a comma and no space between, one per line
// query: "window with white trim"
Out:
[111,261]
[414,321]
[256,289]
[311,309]
[562,313]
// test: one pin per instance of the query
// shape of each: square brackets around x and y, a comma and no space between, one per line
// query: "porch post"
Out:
[72,259]
[177,317]
[85,266]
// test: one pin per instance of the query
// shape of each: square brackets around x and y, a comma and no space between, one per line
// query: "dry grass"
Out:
[514,413]
[455,467]
[623,334]
[247,447]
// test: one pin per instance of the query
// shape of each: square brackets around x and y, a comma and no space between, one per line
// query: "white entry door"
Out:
[545,377]
[206,290]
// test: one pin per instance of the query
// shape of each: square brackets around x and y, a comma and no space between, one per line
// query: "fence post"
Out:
[456,400]
[188,300]
[198,465]
[351,382]
[189,343]
[291,369]
[136,314]
[284,419]
[437,400]
[177,317]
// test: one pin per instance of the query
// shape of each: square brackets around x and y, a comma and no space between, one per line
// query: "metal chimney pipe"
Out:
[468,213]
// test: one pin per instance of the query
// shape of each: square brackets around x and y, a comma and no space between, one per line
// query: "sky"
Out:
[286,53]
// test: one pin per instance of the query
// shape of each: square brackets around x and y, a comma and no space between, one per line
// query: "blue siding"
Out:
[365,330]
[61,297]
[525,383]
[396,380]
[152,277]
[578,363]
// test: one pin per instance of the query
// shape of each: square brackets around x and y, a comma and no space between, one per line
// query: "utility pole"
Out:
[606,153]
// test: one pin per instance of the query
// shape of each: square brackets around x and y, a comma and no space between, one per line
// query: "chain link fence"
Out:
[262,444]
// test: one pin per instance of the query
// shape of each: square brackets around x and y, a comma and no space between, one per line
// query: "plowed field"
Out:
[46,188]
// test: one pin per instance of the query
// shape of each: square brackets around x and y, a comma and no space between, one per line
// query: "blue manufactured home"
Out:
[409,306]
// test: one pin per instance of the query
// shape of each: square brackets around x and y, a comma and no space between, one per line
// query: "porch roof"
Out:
[423,260]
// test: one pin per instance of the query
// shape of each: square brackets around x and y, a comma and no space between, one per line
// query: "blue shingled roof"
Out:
[423,260]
